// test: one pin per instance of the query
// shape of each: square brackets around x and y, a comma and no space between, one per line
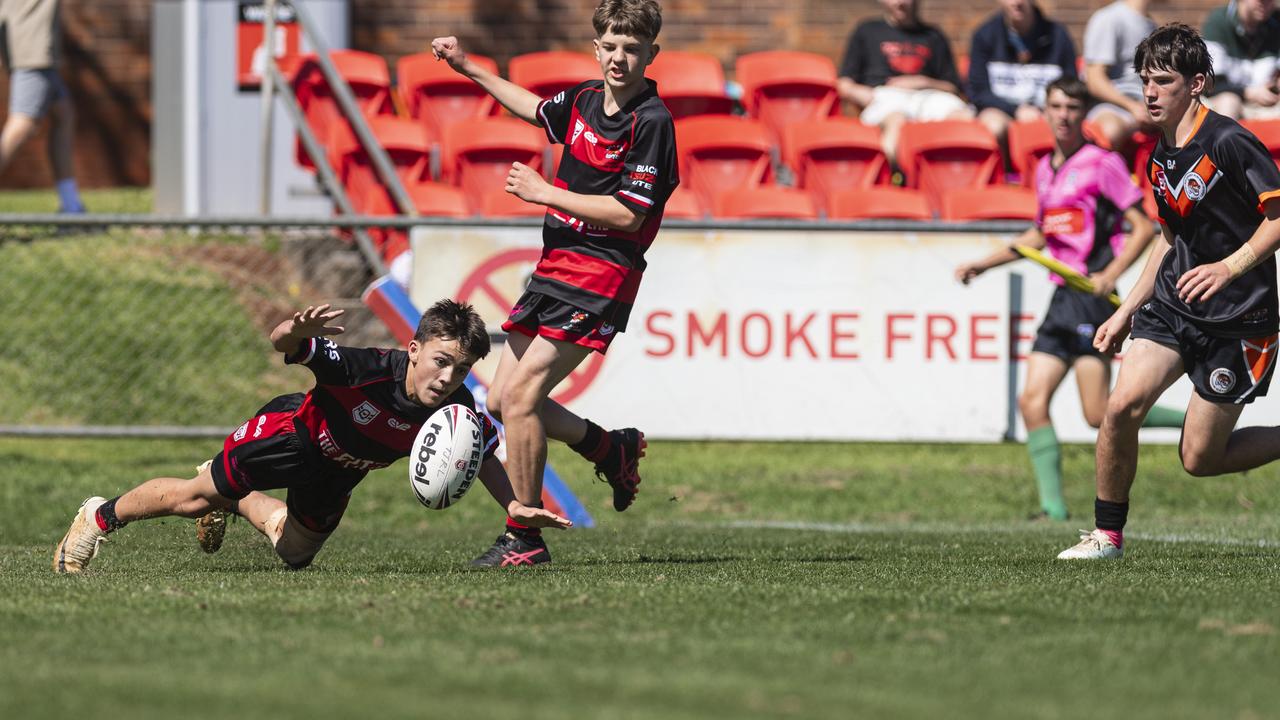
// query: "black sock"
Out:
[106,516]
[593,446]
[1110,515]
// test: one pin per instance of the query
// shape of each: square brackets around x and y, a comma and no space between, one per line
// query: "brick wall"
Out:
[107,44]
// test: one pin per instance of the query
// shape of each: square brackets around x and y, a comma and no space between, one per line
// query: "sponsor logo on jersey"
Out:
[338,456]
[576,319]
[241,432]
[257,430]
[330,349]
[606,329]
[615,152]
[1062,221]
[559,98]
[364,413]
[590,137]
[1222,380]
[578,127]
[397,425]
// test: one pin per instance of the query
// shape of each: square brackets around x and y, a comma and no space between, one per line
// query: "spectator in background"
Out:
[1244,41]
[896,69]
[1013,58]
[31,49]
[1110,39]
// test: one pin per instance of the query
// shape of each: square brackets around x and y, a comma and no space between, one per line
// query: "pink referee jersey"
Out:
[1081,207]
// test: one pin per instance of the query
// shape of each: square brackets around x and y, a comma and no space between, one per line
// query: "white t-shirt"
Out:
[1111,37]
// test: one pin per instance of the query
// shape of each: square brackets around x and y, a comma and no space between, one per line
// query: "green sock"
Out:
[1046,460]
[1164,417]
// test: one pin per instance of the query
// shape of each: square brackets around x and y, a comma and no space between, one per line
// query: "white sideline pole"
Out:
[268,97]
[191,165]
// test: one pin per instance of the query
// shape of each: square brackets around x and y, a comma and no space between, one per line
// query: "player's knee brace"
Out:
[295,544]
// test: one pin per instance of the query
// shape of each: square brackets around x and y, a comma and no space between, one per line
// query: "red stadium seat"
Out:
[878,203]
[1028,142]
[1006,202]
[834,154]
[768,201]
[721,153]
[429,199]
[783,86]
[547,73]
[476,156]
[500,203]
[940,156]
[433,93]
[683,205]
[370,83]
[406,144]
[690,84]
[1267,131]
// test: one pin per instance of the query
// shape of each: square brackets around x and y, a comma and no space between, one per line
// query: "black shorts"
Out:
[269,452]
[1223,369]
[535,314]
[1070,323]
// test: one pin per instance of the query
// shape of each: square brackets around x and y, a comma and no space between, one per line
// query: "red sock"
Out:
[518,529]
[1116,536]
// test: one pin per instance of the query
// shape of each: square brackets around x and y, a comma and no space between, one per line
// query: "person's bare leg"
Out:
[18,129]
[890,129]
[559,422]
[171,496]
[1093,380]
[1211,446]
[1147,371]
[543,365]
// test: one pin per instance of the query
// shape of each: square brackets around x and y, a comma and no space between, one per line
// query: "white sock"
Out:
[69,196]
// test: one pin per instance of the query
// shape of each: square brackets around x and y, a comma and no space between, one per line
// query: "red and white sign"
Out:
[806,335]
[251,50]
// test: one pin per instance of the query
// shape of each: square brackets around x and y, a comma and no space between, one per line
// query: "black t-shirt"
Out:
[630,155]
[878,51]
[1210,193]
[358,416]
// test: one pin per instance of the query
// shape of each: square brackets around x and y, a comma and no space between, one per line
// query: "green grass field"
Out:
[750,580]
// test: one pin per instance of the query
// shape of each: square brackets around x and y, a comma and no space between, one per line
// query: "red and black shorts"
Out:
[1222,369]
[537,315]
[270,452]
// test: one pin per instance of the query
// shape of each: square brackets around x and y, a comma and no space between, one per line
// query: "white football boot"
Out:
[1094,545]
[81,542]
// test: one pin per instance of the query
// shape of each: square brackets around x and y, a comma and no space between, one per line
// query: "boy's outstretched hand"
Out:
[536,517]
[314,322]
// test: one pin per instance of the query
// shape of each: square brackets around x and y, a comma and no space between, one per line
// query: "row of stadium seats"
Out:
[455,141]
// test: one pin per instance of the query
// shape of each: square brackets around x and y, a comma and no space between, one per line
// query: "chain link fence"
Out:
[145,331]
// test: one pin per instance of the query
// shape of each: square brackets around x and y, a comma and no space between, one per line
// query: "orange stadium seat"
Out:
[690,84]
[547,73]
[433,93]
[834,154]
[1006,202]
[769,201]
[878,203]
[406,143]
[721,153]
[429,199]
[1268,131]
[477,155]
[940,156]
[683,205]
[783,86]
[1028,142]
[370,83]
[500,203]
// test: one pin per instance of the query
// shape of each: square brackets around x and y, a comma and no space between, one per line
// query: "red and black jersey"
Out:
[630,155]
[1210,193]
[358,417]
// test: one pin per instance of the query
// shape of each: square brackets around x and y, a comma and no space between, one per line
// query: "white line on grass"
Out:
[857,528]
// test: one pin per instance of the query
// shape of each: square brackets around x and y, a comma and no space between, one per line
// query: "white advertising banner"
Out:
[797,334]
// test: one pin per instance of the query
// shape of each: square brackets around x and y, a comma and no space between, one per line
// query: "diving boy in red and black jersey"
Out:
[363,413]
[603,211]
[1205,305]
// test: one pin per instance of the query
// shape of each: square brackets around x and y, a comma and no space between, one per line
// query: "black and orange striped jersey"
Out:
[630,155]
[1210,193]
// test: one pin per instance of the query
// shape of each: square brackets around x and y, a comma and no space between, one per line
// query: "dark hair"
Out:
[1072,87]
[1175,47]
[637,18]
[452,320]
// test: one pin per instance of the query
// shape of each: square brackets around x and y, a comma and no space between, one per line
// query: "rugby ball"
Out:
[445,456]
